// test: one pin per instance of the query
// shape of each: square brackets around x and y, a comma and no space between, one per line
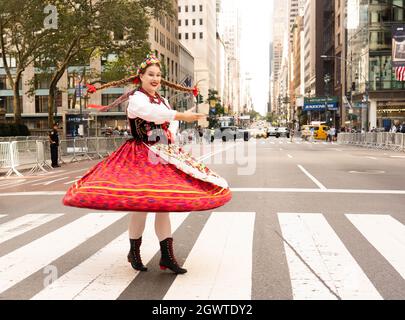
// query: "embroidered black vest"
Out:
[150,132]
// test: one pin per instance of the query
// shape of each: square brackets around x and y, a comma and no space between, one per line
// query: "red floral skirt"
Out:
[129,181]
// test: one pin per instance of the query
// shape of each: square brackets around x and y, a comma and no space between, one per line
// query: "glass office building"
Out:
[378,99]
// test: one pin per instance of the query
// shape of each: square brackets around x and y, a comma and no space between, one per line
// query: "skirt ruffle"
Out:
[129,180]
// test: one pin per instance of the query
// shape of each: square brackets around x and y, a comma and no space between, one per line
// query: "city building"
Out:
[280,29]
[319,38]
[186,76]
[232,39]
[197,32]
[341,87]
[297,91]
[378,98]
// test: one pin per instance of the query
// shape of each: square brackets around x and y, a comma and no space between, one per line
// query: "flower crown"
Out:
[149,60]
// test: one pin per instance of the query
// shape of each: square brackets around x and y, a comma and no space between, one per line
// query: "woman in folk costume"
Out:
[149,173]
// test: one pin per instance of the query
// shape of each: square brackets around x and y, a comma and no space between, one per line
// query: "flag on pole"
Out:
[400,73]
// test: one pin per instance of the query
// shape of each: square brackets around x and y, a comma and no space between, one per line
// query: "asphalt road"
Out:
[307,221]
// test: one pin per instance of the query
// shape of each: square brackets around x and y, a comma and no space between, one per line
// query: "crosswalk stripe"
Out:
[221,260]
[314,240]
[3,215]
[106,274]
[23,224]
[19,264]
[73,181]
[386,234]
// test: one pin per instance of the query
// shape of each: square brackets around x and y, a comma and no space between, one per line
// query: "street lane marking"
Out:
[221,260]
[73,181]
[106,274]
[50,182]
[329,271]
[386,234]
[16,227]
[3,215]
[211,154]
[26,260]
[320,185]
[290,156]
[372,158]
[399,157]
[45,178]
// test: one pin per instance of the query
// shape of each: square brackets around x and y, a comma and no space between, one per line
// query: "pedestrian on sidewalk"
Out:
[54,145]
[148,173]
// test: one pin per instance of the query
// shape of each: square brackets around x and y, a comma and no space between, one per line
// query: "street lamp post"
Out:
[327,79]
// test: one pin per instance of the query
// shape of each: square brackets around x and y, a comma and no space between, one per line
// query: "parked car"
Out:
[229,133]
[259,133]
[320,131]
[283,132]
[271,132]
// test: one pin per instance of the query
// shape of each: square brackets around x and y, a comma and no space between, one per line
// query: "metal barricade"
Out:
[23,154]
[40,158]
[390,142]
[92,148]
[399,141]
[80,149]
[5,155]
[371,139]
[66,150]
[102,147]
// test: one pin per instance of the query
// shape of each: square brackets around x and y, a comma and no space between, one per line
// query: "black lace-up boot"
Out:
[134,255]
[168,261]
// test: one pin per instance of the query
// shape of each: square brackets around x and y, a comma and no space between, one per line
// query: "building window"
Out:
[186,22]
[41,82]
[6,102]
[193,8]
[172,67]
[186,36]
[193,22]
[201,8]
[179,23]
[186,8]
[179,36]
[201,22]
[194,35]
[41,104]
[107,99]
[179,9]
[156,35]
[201,35]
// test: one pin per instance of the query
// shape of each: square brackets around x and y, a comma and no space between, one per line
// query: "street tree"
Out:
[89,29]
[22,37]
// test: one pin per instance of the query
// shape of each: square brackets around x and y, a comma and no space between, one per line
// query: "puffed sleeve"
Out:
[139,106]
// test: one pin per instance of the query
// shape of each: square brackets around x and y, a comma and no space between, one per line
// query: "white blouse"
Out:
[139,106]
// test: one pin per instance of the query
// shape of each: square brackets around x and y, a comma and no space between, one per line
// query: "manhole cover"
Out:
[368,172]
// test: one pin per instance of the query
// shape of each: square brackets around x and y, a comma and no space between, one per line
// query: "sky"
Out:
[255,44]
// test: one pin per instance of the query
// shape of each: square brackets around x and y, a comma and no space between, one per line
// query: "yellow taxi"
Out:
[320,132]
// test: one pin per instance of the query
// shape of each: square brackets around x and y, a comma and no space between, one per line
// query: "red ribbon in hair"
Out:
[91,88]
[195,91]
